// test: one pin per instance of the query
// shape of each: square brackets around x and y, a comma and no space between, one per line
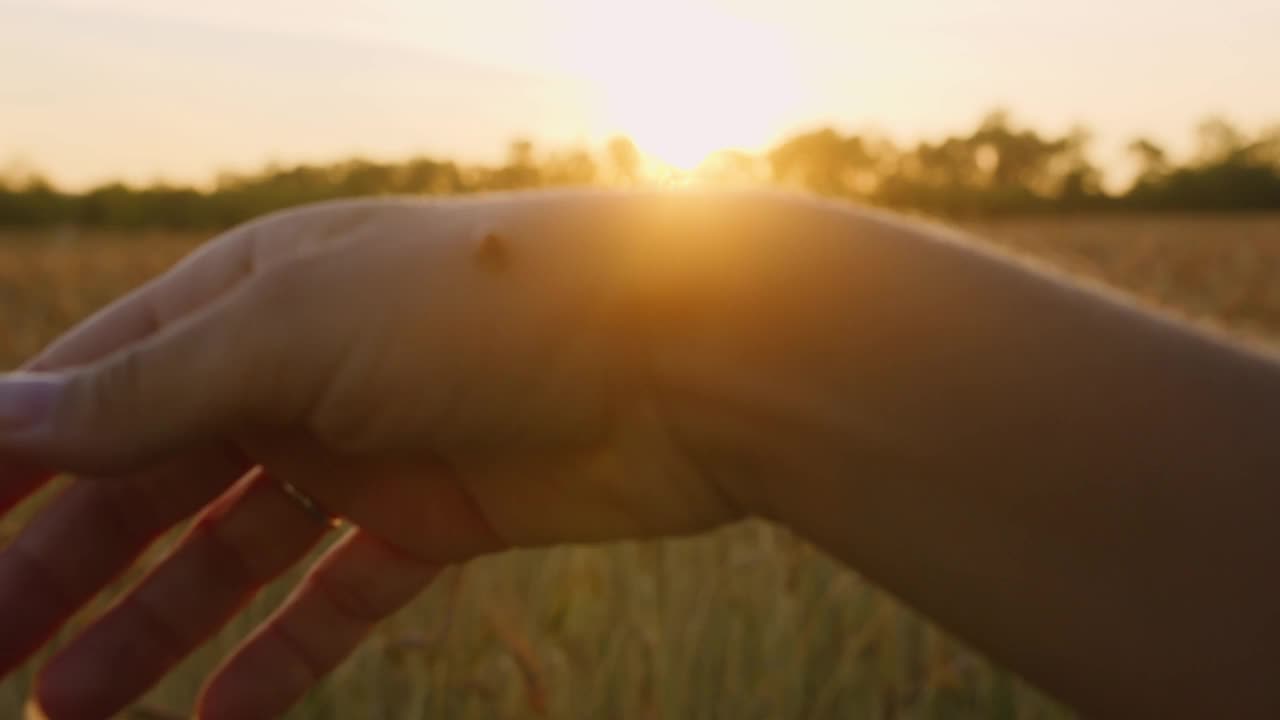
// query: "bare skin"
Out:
[1080,488]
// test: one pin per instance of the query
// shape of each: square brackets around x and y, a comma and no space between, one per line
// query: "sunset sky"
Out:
[147,89]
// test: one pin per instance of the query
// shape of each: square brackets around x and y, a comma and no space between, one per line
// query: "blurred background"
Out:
[1132,142]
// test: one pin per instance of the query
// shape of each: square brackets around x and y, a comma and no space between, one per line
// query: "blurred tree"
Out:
[1265,150]
[996,168]
[624,160]
[520,154]
[521,170]
[1217,141]
[1153,161]
[575,168]
[1023,159]
[27,198]
[1228,171]
[821,161]
[733,168]
[1078,179]
[424,176]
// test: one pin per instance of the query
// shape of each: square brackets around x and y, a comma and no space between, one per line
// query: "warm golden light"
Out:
[684,80]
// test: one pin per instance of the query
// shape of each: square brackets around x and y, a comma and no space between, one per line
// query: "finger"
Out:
[414,517]
[194,282]
[17,481]
[200,278]
[417,504]
[358,583]
[193,381]
[246,538]
[89,534]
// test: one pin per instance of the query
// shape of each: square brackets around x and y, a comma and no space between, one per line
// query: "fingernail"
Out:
[26,400]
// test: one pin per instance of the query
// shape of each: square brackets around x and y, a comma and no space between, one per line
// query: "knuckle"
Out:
[279,238]
[298,645]
[155,628]
[354,601]
[99,392]
[281,342]
[125,512]
[221,558]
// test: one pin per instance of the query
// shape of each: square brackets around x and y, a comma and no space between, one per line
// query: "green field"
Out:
[746,623]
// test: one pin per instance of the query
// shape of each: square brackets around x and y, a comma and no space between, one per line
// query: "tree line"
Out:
[997,168]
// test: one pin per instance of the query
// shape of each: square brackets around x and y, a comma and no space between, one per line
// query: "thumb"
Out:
[187,385]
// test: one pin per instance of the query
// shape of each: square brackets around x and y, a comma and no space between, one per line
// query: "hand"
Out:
[446,380]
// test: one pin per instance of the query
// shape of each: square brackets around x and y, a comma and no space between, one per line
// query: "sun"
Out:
[683,81]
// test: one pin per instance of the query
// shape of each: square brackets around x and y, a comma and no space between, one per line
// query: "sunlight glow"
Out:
[684,80]
[182,90]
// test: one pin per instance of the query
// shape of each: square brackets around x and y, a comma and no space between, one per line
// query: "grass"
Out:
[745,623]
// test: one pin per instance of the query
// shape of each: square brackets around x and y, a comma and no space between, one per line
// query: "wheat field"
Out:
[746,623]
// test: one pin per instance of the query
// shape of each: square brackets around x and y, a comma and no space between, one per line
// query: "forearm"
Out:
[1082,489]
[1078,487]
